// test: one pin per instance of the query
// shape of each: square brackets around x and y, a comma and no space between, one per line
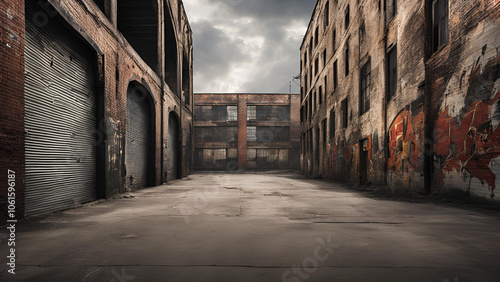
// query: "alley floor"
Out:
[257,227]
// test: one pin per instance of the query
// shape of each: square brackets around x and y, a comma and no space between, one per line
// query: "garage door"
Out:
[172,147]
[60,117]
[138,138]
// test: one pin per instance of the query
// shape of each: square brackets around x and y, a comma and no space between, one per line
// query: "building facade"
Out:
[99,99]
[402,93]
[246,131]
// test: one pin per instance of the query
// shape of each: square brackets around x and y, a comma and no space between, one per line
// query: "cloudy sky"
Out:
[247,45]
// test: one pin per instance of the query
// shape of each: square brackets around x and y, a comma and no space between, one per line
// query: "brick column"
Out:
[12,103]
[242,132]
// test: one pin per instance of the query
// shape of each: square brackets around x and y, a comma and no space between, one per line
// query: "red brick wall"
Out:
[463,78]
[12,101]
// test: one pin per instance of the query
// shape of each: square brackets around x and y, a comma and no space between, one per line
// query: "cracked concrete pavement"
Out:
[256,227]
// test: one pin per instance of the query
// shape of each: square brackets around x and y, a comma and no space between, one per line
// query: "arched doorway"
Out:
[173,148]
[139,146]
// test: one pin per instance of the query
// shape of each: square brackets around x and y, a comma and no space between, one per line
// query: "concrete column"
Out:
[111,11]
[242,132]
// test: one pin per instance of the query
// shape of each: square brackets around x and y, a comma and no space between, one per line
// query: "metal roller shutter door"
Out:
[172,148]
[137,146]
[60,118]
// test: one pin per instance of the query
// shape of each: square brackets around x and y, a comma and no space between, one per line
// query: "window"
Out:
[315,100]
[216,134]
[310,107]
[324,125]
[326,86]
[305,109]
[316,66]
[393,71]
[334,38]
[346,58]
[310,47]
[251,133]
[316,37]
[347,17]
[345,113]
[302,115]
[216,113]
[327,13]
[251,112]
[440,34]
[268,133]
[335,75]
[306,86]
[268,113]
[364,96]
[232,113]
[332,124]
[324,58]
[320,100]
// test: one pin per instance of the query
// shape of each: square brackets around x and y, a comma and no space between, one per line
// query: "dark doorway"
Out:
[363,161]
[173,148]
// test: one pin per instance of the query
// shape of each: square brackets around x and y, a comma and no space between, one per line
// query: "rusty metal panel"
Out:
[60,117]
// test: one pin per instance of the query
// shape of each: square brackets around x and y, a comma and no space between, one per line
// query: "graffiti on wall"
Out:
[403,146]
[470,143]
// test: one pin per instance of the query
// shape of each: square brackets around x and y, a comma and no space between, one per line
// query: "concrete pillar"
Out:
[111,11]
[242,132]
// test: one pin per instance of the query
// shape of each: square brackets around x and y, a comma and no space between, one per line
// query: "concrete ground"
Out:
[257,227]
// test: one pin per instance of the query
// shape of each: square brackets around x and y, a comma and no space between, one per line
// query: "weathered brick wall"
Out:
[405,118]
[12,102]
[464,78]
[242,100]
[119,65]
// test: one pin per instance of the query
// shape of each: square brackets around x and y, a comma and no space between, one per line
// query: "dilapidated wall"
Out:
[233,148]
[436,129]
[464,80]
[119,68]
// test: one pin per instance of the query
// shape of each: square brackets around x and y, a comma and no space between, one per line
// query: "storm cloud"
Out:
[247,45]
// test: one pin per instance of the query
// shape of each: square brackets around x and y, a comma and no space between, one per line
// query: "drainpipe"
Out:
[384,107]
[161,64]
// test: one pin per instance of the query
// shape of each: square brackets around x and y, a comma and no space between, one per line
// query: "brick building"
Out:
[246,131]
[96,99]
[403,93]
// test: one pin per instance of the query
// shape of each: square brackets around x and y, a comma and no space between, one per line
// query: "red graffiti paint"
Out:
[403,145]
[469,146]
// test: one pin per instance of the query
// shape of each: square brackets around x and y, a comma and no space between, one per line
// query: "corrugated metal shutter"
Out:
[137,146]
[172,147]
[60,117]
